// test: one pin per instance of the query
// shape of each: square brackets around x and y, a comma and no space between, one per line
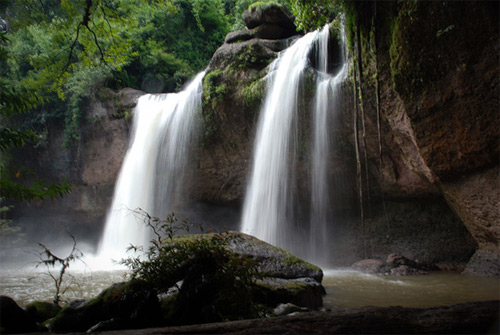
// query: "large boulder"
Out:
[271,13]
[14,319]
[272,261]
[280,277]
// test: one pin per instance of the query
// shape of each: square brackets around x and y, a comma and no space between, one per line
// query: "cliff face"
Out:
[439,82]
[92,167]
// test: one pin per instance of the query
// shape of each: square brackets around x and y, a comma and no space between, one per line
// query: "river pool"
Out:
[345,288]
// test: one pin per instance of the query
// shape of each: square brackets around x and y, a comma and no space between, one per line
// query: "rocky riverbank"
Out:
[468,318]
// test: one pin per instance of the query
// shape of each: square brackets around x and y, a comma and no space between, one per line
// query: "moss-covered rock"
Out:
[233,91]
[304,292]
[280,277]
[134,303]
[42,310]
[274,262]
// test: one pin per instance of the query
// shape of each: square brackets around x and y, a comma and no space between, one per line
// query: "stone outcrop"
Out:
[269,21]
[283,278]
[233,91]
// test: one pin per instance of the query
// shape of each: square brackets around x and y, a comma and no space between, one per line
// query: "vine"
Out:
[378,109]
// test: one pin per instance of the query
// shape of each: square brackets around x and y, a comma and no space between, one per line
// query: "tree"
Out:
[15,102]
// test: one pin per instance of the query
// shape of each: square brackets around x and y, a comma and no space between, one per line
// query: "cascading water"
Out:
[151,176]
[326,101]
[269,211]
[268,196]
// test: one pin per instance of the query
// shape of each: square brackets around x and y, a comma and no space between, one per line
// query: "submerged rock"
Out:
[284,309]
[395,265]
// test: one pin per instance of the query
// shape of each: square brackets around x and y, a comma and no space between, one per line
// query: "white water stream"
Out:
[152,172]
[269,207]
[326,101]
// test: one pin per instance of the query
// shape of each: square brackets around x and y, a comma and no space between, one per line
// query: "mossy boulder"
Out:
[274,262]
[280,277]
[268,13]
[131,304]
[42,310]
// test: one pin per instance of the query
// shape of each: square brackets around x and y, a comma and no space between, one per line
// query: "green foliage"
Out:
[16,186]
[262,5]
[214,89]
[253,94]
[67,51]
[311,15]
[216,284]
[14,101]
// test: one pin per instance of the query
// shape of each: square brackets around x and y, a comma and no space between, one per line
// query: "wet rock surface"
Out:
[394,265]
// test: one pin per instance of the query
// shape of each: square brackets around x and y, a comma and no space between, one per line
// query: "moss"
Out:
[254,56]
[421,50]
[214,92]
[123,111]
[253,95]
[42,310]
[262,5]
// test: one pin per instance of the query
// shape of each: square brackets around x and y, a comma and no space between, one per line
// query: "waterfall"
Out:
[326,101]
[152,173]
[269,193]
[270,208]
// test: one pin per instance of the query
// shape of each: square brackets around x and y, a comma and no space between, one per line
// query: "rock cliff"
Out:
[91,166]
[439,82]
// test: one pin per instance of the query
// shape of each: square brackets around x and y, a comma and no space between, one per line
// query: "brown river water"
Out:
[345,288]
